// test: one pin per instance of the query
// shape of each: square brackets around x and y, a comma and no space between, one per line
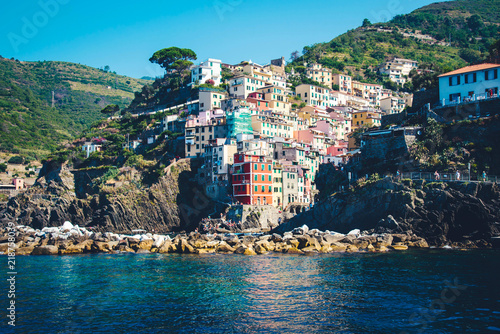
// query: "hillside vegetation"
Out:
[441,37]
[29,124]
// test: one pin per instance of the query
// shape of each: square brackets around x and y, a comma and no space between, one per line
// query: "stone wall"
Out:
[393,119]
[386,148]
[423,97]
[257,217]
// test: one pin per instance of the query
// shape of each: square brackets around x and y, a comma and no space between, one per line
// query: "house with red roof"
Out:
[469,83]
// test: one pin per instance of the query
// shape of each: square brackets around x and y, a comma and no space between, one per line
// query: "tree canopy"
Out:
[494,53]
[110,109]
[173,58]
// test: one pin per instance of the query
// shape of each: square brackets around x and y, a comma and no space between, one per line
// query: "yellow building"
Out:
[278,100]
[320,74]
[367,118]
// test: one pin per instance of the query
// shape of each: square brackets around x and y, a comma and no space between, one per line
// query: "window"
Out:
[269,167]
[269,188]
[255,167]
[255,188]
[263,188]
[269,177]
[455,97]
[262,167]
[470,78]
[491,74]
[255,177]
[263,178]
[455,80]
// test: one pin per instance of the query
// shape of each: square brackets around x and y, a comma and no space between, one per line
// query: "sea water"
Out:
[421,291]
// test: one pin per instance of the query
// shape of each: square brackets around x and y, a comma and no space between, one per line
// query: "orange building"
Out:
[252,179]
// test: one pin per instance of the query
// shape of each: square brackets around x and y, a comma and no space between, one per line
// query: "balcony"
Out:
[467,99]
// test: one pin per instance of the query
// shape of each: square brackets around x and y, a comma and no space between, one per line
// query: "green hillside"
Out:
[29,124]
[441,36]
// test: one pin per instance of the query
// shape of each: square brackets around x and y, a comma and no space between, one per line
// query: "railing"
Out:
[449,177]
[467,99]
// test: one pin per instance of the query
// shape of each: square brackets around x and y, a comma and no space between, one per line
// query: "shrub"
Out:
[16,160]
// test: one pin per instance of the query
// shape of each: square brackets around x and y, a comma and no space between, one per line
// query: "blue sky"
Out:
[124,34]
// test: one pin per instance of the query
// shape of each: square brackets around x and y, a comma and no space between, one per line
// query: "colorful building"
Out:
[252,179]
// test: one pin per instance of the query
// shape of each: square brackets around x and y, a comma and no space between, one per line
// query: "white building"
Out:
[243,85]
[469,83]
[398,69]
[392,105]
[207,70]
[219,157]
[90,148]
[344,82]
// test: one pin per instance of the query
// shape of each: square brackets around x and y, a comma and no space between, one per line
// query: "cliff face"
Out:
[173,203]
[460,213]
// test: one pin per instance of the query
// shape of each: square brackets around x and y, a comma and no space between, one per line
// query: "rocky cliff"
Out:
[173,203]
[457,214]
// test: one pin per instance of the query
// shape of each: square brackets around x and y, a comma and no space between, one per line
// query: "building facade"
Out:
[469,83]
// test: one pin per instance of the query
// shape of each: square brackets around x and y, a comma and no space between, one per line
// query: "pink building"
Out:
[205,118]
[339,148]
[325,127]
[304,136]
[18,183]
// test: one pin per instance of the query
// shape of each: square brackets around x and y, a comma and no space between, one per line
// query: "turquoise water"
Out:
[342,293]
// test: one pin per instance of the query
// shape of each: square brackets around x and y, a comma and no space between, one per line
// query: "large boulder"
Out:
[225,248]
[184,247]
[384,240]
[45,250]
[145,244]
[81,247]
[338,247]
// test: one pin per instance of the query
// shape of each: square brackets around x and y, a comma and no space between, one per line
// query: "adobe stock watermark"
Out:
[392,9]
[223,6]
[448,296]
[32,25]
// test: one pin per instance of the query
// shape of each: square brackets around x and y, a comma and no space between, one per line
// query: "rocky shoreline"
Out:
[72,239]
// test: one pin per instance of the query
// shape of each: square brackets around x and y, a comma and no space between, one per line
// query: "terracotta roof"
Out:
[468,69]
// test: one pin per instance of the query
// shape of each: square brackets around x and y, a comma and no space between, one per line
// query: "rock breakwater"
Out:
[72,239]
